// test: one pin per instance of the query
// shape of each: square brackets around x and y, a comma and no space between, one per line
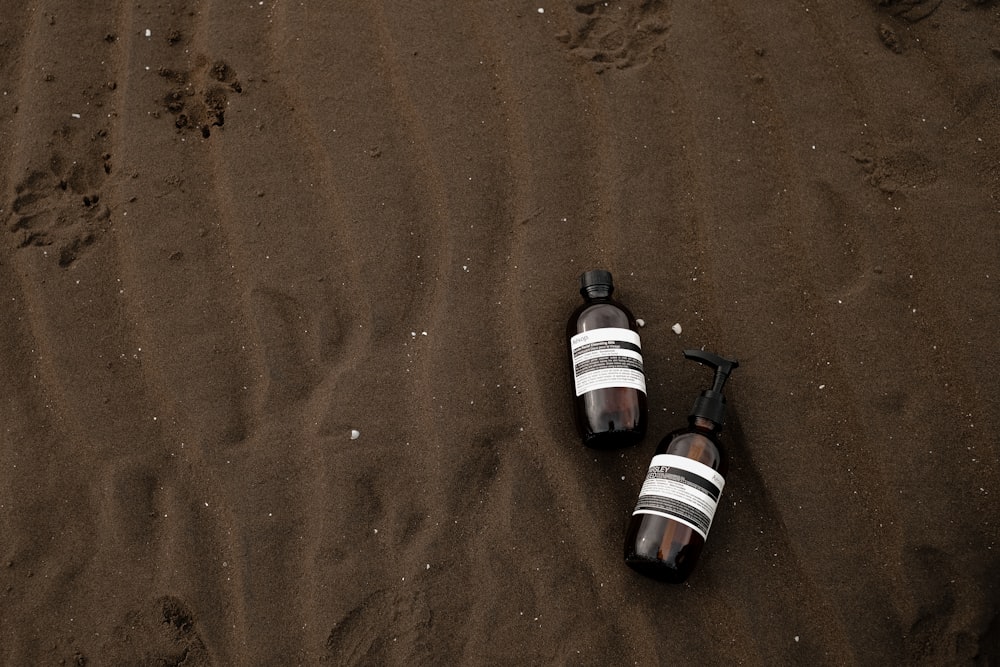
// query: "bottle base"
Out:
[657,569]
[612,439]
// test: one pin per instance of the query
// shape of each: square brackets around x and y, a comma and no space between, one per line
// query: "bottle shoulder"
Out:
[600,314]
[698,444]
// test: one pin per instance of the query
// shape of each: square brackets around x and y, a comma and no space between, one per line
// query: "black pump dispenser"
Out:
[711,404]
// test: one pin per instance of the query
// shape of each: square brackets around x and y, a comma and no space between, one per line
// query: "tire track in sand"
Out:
[544,482]
[190,344]
[924,156]
[58,239]
[418,227]
[373,206]
[739,203]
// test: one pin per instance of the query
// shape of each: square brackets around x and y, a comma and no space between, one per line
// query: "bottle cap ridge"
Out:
[596,280]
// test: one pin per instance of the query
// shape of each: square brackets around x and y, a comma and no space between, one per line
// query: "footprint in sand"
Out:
[289,352]
[899,170]
[56,208]
[616,34]
[197,98]
[385,628]
[165,633]
[910,10]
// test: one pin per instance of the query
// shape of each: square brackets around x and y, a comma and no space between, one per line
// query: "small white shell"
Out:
[355,434]
[677,328]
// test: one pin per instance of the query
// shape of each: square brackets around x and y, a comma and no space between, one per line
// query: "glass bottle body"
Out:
[661,547]
[608,417]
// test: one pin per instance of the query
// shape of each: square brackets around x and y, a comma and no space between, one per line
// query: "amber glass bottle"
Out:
[682,487]
[606,357]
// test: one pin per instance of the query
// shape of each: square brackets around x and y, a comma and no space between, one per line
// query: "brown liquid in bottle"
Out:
[664,548]
[607,417]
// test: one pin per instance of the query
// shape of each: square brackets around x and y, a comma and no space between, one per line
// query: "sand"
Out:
[284,288]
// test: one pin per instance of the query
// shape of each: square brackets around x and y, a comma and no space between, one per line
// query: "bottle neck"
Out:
[703,423]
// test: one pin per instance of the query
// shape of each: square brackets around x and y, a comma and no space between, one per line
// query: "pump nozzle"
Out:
[711,404]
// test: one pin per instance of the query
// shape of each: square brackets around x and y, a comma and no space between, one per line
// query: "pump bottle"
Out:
[681,491]
[606,357]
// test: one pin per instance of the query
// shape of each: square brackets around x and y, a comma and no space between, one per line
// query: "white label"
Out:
[682,489]
[604,358]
